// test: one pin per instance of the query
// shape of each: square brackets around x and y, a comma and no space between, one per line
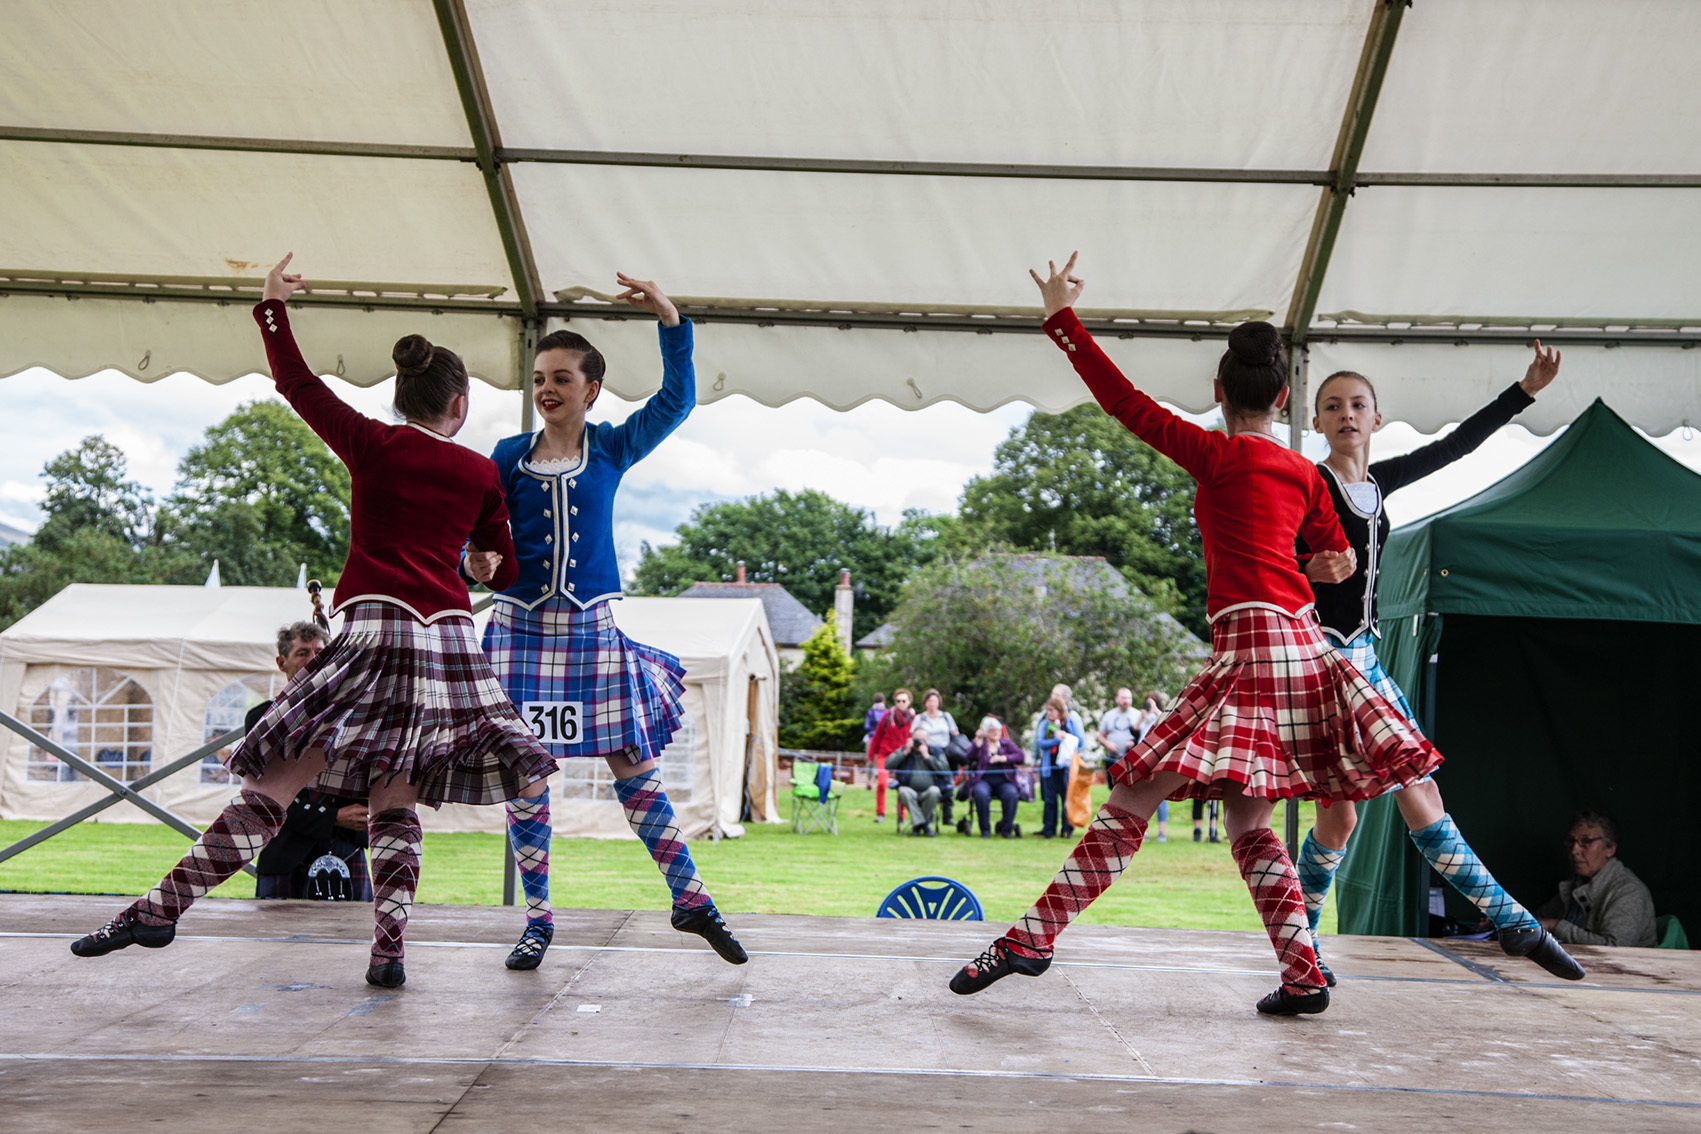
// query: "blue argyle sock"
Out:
[651,818]
[1454,860]
[528,835]
[1316,866]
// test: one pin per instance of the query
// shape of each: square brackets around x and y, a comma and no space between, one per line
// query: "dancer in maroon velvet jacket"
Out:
[1276,713]
[403,706]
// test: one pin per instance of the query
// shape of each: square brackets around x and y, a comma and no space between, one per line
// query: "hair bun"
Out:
[412,354]
[1255,344]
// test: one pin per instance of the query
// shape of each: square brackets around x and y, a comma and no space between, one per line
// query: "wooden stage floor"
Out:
[257,1018]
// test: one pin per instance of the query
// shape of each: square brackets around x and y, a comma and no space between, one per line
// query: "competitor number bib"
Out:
[554,722]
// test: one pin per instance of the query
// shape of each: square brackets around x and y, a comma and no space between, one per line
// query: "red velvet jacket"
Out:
[892,733]
[1255,494]
[417,496]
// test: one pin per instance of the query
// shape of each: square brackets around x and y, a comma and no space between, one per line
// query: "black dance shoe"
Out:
[993,965]
[1284,1003]
[122,932]
[1537,944]
[1328,977]
[705,922]
[387,975]
[528,954]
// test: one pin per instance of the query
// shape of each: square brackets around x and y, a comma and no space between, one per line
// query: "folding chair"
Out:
[1670,933]
[932,898]
[809,812]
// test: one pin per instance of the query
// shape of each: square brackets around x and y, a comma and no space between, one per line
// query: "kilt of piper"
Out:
[630,694]
[1280,712]
[392,696]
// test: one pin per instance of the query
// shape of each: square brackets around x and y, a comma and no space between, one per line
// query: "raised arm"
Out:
[634,438]
[1189,446]
[1396,472]
[346,430]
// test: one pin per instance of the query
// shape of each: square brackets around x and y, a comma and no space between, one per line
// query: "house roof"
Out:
[791,621]
[10,535]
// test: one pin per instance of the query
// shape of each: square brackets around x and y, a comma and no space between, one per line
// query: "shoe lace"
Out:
[532,942]
[988,960]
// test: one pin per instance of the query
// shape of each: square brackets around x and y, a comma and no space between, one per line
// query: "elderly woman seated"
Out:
[991,768]
[923,773]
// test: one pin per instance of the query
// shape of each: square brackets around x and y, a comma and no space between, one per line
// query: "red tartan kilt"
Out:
[1281,713]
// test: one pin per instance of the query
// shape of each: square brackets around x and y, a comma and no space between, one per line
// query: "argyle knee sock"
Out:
[1270,875]
[1453,858]
[651,818]
[394,836]
[1316,866]
[245,826]
[528,836]
[1099,859]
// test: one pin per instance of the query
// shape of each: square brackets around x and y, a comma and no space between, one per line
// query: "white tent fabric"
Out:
[745,154]
[183,646]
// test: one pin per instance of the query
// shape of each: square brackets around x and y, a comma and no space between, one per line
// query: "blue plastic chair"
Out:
[932,899]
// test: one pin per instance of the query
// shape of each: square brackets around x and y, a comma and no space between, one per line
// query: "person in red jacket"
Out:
[891,734]
[403,707]
[1276,713]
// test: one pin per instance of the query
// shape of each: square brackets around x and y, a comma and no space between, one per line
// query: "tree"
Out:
[815,709]
[1079,483]
[799,540]
[262,495]
[998,631]
[86,491]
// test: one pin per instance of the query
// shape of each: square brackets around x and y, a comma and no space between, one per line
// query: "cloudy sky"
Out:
[876,456]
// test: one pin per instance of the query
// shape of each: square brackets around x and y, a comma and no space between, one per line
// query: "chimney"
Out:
[843,595]
[740,576]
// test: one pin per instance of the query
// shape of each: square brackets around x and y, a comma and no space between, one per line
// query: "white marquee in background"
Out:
[847,195]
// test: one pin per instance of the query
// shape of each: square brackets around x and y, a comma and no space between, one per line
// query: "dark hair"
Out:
[591,361]
[880,698]
[1589,817]
[1317,402]
[1253,370]
[428,378]
[932,693]
[303,631]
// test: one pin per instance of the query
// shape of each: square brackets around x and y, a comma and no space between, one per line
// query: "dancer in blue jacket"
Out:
[590,690]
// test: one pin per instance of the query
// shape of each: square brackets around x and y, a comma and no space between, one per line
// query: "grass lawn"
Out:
[1178,884]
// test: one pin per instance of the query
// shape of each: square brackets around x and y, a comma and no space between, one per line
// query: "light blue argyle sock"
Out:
[1454,860]
[1316,866]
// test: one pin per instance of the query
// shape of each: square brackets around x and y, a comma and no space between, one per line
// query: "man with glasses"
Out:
[1603,903]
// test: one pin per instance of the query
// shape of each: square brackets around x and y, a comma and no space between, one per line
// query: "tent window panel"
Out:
[103,715]
[226,711]
[678,763]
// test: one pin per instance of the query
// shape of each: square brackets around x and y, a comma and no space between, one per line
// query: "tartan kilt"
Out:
[1280,712]
[392,696]
[631,694]
[1361,651]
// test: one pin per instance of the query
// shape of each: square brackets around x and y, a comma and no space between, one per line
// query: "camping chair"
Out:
[809,812]
[1669,932]
[933,899]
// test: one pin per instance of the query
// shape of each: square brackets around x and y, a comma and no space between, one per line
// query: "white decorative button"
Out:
[571,483]
[546,513]
[274,330]
[569,586]
[549,539]
[545,590]
[572,563]
[543,486]
[575,537]
[574,509]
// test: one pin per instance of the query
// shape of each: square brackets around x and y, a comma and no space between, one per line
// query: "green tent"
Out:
[1547,632]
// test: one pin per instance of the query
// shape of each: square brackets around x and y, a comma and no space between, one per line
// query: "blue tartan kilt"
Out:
[631,693]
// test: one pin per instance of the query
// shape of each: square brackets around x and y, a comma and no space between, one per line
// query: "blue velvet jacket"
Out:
[563,523]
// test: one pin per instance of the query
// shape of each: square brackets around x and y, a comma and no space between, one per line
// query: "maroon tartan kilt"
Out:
[1280,712]
[392,696]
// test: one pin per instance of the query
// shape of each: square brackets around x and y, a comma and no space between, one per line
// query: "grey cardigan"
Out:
[1615,907]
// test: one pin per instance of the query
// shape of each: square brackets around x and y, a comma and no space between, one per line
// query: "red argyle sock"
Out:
[1274,883]
[1099,859]
[393,838]
[234,838]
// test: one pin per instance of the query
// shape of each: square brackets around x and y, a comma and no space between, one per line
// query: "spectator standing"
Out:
[993,761]
[1603,903]
[1057,737]
[1152,708]
[941,727]
[891,734]
[923,773]
[871,719]
[318,823]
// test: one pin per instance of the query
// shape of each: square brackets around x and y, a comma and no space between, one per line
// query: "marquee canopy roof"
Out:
[1414,193]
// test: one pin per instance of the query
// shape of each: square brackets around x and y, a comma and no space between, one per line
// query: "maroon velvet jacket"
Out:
[418,497]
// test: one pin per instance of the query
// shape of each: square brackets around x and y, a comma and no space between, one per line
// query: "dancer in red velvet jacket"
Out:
[403,707]
[1276,712]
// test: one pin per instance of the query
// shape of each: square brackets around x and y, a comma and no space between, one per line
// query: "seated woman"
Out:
[992,771]
[1602,903]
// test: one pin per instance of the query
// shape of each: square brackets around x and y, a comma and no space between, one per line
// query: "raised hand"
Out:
[1059,289]
[1542,371]
[1331,566]
[280,284]
[482,565]
[645,294]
